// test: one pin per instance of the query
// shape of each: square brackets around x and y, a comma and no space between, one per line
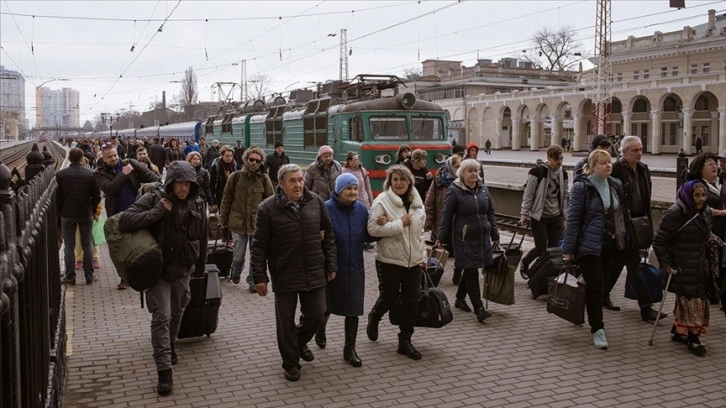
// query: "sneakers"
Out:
[599,340]
[292,374]
[96,264]
[122,285]
[79,265]
[461,304]
[68,281]
[650,315]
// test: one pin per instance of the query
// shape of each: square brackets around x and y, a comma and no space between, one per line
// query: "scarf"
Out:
[446,173]
[227,168]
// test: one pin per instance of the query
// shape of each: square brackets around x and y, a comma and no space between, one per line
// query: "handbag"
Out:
[643,230]
[650,276]
[499,280]
[434,309]
[564,300]
[99,238]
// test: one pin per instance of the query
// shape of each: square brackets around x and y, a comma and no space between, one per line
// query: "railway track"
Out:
[511,223]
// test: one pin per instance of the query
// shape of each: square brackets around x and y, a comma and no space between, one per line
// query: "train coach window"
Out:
[389,129]
[426,129]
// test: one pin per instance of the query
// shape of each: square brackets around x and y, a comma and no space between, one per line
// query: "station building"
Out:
[667,88]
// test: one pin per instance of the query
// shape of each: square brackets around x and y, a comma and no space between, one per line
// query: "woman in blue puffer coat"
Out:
[596,228]
[345,293]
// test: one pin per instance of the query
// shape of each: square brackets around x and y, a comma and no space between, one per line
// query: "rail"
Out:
[32,318]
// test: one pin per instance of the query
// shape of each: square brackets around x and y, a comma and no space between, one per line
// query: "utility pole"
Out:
[603,70]
[343,54]
[243,81]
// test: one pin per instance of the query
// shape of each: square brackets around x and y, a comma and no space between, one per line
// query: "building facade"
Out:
[57,108]
[667,88]
[12,104]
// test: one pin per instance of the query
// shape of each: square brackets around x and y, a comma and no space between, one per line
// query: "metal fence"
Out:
[32,319]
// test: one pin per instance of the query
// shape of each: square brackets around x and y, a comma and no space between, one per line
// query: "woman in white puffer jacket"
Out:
[397,216]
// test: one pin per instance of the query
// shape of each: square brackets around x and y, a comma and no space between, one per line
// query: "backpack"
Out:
[540,171]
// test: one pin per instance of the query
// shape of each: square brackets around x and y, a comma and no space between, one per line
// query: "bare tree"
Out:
[554,50]
[88,126]
[189,94]
[258,86]
[412,73]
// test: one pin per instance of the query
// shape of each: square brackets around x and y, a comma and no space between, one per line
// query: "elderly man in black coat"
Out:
[294,239]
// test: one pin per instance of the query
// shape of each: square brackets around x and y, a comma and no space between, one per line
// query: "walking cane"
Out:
[662,302]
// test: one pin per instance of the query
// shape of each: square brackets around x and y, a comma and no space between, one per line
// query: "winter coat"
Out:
[422,184]
[434,205]
[321,179]
[157,155]
[211,155]
[365,194]
[346,292]
[181,232]
[78,194]
[586,217]
[469,216]
[399,245]
[717,201]
[273,163]
[174,154]
[243,193]
[204,185]
[683,247]
[622,172]
[218,180]
[298,247]
[111,183]
[535,192]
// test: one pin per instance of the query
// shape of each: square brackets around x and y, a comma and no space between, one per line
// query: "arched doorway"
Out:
[705,121]
[671,123]
[640,120]
[505,132]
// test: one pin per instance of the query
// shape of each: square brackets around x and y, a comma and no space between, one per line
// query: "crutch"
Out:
[662,302]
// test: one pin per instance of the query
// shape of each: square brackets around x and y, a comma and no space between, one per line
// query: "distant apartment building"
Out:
[12,104]
[57,108]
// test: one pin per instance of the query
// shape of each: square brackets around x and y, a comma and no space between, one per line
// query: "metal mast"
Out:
[243,81]
[603,69]
[343,54]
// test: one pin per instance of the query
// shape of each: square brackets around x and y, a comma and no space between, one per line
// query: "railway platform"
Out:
[521,357]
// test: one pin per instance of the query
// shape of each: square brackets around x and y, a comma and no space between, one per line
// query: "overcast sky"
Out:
[89,43]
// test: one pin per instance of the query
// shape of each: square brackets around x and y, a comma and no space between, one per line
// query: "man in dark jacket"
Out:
[635,177]
[157,154]
[600,142]
[178,222]
[276,160]
[291,226]
[120,182]
[78,197]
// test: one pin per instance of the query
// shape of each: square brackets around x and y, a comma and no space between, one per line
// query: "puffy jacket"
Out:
[399,245]
[321,180]
[243,192]
[111,183]
[181,232]
[345,293]
[204,189]
[680,243]
[469,216]
[586,217]
[289,244]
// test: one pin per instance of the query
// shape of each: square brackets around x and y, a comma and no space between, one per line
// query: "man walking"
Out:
[78,197]
[635,176]
[178,222]
[120,182]
[276,160]
[157,155]
[292,226]
[243,193]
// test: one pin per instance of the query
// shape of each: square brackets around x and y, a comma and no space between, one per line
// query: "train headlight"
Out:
[407,100]
[384,159]
[440,158]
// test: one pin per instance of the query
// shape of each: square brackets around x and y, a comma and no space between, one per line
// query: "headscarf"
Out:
[447,174]
[685,194]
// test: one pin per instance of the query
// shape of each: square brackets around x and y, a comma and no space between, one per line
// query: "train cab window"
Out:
[389,128]
[426,128]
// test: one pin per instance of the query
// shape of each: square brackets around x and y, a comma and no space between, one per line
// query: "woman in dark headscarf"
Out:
[682,246]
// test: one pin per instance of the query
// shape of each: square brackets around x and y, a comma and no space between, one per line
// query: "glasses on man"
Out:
[251,160]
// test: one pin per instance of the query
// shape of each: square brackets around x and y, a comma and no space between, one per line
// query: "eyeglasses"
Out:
[254,160]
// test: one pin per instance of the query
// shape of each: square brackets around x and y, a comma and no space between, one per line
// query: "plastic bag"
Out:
[99,238]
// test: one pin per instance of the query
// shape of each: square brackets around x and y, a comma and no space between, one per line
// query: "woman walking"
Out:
[345,293]
[681,243]
[353,166]
[469,215]
[596,228]
[397,217]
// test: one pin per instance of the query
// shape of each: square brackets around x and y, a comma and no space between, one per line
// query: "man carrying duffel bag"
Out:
[177,219]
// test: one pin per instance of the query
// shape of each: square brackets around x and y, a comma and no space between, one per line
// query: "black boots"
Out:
[406,348]
[320,339]
[372,327]
[166,383]
[173,355]
[351,332]
[482,314]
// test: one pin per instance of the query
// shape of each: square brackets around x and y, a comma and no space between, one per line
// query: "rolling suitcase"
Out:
[201,314]
[513,251]
[220,254]
[545,266]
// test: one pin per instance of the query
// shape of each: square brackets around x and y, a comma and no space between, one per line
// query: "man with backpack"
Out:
[177,219]
[544,205]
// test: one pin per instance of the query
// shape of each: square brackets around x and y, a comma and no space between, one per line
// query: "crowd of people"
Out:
[328,216]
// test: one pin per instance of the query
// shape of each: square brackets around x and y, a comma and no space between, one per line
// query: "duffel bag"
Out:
[434,309]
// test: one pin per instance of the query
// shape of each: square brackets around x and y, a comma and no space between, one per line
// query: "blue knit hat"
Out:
[343,181]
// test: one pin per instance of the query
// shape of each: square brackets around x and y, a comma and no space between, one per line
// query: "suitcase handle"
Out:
[511,241]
